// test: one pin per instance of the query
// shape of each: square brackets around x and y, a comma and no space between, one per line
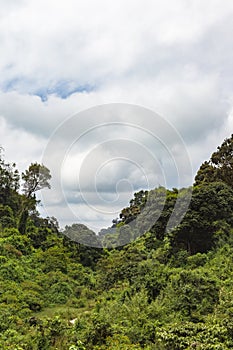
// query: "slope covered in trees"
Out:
[165,290]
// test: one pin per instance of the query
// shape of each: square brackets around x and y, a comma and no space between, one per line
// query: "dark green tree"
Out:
[82,243]
[220,165]
[211,203]
[129,213]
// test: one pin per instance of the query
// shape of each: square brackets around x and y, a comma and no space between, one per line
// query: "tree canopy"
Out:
[220,165]
[35,178]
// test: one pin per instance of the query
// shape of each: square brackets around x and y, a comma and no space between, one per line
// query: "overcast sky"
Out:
[61,58]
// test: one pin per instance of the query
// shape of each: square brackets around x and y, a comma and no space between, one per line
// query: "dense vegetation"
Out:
[166,290]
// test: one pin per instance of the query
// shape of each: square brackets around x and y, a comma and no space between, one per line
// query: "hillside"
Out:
[165,290]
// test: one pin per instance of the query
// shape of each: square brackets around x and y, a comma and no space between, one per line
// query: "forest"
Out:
[162,290]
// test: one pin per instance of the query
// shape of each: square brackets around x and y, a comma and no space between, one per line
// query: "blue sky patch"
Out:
[62,89]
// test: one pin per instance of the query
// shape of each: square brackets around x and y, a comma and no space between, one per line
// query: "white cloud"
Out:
[88,42]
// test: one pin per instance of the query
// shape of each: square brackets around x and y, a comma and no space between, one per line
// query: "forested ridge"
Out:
[165,290]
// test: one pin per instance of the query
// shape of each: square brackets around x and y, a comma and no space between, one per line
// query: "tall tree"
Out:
[35,178]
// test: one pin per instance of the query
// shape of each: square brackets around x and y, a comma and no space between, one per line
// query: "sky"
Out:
[113,96]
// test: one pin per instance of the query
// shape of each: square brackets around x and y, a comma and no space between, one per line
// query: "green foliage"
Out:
[9,183]
[220,166]
[83,243]
[35,178]
[136,206]
[191,294]
[162,291]
[54,258]
[7,219]
[201,336]
[210,203]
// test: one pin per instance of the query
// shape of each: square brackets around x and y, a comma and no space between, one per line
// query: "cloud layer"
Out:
[60,58]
